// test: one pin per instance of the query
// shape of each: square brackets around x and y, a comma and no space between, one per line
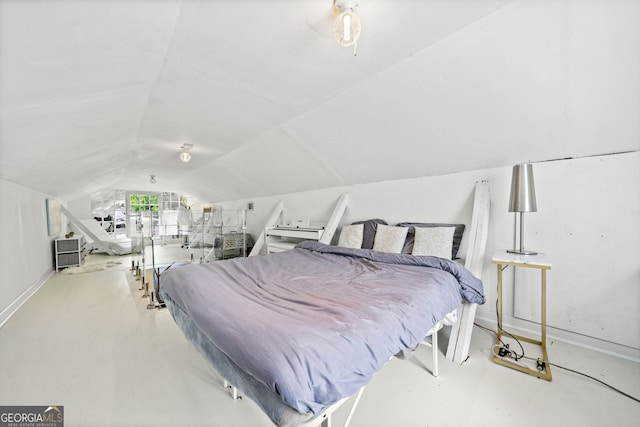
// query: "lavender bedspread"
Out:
[315,323]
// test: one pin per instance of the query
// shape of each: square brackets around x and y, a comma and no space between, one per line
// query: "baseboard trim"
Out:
[6,314]
[526,328]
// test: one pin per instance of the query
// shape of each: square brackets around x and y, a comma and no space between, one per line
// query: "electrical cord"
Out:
[591,378]
[516,356]
[504,351]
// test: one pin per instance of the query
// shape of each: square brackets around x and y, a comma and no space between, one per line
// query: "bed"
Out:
[301,331]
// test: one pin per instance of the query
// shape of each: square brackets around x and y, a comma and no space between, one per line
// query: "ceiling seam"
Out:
[136,141]
[320,159]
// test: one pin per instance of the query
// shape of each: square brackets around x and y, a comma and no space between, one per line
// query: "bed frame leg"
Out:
[433,333]
[353,407]
[434,352]
[234,391]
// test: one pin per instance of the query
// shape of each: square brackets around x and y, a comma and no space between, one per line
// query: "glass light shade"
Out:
[523,192]
[185,157]
[346,28]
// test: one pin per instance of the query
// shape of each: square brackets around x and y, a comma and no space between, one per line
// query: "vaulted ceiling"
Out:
[101,94]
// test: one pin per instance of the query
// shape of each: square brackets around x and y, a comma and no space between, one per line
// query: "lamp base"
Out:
[521,252]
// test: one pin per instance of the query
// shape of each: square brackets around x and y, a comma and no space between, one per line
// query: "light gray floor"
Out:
[88,342]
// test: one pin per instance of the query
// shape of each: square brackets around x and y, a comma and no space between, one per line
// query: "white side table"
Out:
[283,238]
[540,261]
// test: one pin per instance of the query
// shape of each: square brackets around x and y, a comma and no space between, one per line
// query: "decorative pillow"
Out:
[433,241]
[408,245]
[369,232]
[389,239]
[351,236]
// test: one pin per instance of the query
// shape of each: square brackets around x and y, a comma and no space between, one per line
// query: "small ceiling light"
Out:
[185,157]
[184,154]
[152,179]
[346,28]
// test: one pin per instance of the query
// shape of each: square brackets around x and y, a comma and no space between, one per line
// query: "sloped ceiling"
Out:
[101,94]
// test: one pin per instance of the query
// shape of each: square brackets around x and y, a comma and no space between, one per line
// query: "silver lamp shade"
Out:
[523,192]
[523,199]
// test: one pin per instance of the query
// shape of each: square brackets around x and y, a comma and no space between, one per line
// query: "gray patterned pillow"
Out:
[413,226]
[389,238]
[433,241]
[351,236]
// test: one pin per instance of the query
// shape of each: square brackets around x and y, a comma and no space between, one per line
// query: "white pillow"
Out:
[433,241]
[351,236]
[389,238]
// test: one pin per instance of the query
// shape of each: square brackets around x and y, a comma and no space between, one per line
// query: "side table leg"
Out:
[543,320]
[499,300]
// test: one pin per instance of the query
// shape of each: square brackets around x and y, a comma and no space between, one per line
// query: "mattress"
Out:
[308,327]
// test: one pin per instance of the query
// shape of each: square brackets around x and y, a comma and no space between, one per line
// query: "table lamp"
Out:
[523,199]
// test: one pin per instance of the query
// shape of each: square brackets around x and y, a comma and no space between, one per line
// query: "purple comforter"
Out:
[315,323]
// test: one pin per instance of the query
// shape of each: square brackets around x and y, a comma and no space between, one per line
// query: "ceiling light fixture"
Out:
[346,28]
[184,154]
[152,179]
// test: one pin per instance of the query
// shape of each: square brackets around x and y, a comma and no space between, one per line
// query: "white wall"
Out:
[81,208]
[587,223]
[26,250]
